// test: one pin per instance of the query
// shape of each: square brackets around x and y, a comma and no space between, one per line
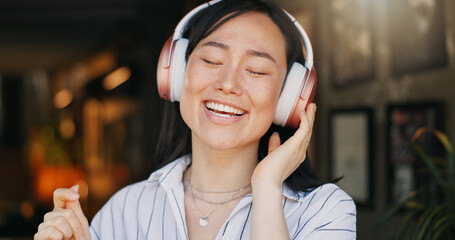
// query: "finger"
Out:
[62,195]
[305,129]
[83,229]
[311,112]
[274,142]
[307,117]
[58,222]
[48,233]
[304,126]
[77,227]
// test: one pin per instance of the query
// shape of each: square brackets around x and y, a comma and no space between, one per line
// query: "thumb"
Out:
[274,142]
[75,206]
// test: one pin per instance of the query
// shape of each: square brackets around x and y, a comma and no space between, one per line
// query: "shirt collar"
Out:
[171,174]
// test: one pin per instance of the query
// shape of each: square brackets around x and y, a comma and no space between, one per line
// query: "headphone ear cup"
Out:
[170,78]
[289,94]
[293,98]
[163,80]
[306,97]
[178,69]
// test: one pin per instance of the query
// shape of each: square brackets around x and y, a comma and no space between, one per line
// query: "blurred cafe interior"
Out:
[79,102]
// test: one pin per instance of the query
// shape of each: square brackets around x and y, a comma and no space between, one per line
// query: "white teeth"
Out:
[223,108]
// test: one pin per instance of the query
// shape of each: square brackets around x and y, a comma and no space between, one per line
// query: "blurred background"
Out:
[79,104]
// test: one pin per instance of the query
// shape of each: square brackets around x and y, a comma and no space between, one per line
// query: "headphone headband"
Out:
[306,41]
[181,26]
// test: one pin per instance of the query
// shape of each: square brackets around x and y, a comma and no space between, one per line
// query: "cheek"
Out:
[194,79]
[266,97]
[186,99]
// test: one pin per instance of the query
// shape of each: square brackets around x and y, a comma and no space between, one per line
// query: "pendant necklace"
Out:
[204,218]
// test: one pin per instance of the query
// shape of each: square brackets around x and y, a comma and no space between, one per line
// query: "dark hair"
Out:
[175,136]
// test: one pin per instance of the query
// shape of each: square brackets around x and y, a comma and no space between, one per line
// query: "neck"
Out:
[219,170]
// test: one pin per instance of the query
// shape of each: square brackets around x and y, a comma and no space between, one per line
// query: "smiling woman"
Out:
[231,65]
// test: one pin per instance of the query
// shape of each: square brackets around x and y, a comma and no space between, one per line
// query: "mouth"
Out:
[223,110]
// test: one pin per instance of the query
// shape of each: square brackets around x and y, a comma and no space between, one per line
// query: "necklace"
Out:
[230,199]
[204,218]
[205,191]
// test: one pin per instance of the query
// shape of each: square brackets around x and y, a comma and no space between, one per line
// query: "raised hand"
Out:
[66,221]
[284,159]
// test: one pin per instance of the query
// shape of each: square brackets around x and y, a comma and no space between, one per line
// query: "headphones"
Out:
[298,90]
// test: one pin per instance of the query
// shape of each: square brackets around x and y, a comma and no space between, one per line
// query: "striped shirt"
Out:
[154,209]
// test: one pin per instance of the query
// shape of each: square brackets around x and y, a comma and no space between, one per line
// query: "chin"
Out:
[228,140]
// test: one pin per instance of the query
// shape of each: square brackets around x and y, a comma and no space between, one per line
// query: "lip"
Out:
[219,119]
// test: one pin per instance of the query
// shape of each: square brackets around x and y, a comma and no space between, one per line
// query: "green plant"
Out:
[429,212]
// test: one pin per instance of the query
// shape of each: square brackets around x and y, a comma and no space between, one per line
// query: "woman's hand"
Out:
[284,159]
[267,221]
[66,221]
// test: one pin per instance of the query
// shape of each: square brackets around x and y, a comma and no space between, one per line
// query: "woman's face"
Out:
[233,81]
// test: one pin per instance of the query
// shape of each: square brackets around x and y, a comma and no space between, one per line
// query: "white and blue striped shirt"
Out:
[154,209]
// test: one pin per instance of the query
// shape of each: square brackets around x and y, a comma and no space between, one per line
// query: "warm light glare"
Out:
[67,128]
[27,210]
[116,78]
[63,98]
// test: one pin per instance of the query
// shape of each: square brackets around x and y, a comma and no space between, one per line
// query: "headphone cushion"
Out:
[178,68]
[289,94]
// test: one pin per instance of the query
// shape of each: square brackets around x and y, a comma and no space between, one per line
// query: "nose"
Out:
[229,82]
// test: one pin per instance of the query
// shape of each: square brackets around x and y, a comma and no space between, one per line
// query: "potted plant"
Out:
[429,211]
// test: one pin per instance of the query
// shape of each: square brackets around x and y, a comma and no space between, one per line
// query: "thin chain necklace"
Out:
[204,219]
[230,199]
[205,191]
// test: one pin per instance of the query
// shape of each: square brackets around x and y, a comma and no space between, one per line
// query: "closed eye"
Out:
[211,63]
[256,73]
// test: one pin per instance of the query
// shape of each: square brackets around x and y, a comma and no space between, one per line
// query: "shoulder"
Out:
[131,193]
[325,200]
[330,192]
[324,211]
[127,199]
[121,214]
[124,200]
[329,198]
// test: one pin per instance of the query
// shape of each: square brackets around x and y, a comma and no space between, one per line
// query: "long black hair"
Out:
[175,136]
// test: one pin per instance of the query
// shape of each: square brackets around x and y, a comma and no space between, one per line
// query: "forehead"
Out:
[252,28]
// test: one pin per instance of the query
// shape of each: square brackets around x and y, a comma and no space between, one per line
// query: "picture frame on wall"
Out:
[417,36]
[351,152]
[351,42]
[404,165]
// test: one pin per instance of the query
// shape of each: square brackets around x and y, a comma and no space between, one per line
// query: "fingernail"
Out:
[82,237]
[75,192]
[74,195]
[275,133]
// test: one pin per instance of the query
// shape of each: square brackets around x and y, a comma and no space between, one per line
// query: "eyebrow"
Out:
[216,44]
[249,52]
[260,54]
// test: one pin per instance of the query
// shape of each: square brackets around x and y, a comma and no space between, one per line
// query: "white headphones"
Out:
[298,90]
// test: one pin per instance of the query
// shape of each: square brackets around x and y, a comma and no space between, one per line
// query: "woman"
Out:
[239,181]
